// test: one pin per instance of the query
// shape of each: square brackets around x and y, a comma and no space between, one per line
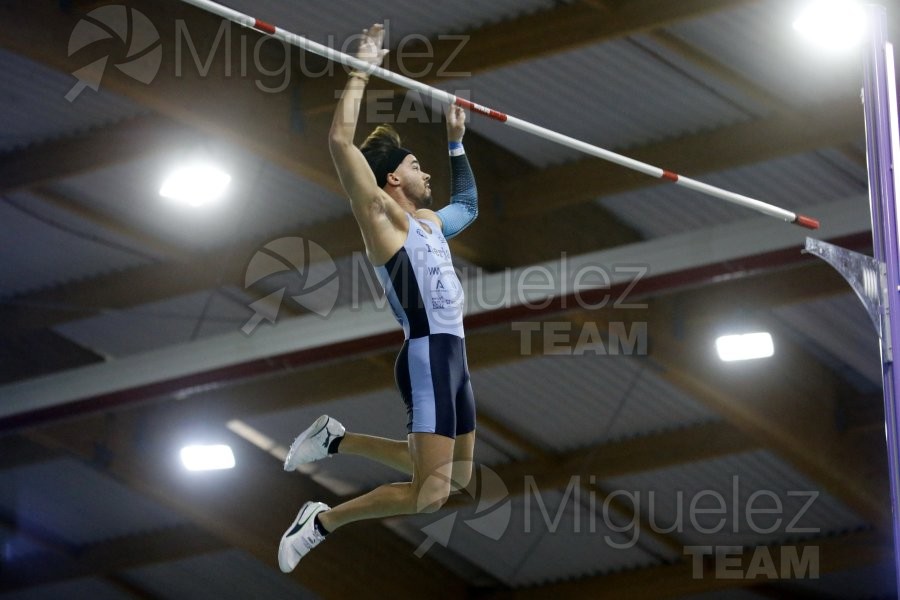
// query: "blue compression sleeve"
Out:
[463,207]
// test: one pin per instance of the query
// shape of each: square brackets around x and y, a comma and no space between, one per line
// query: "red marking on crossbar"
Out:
[264,27]
[488,112]
[807,222]
[669,175]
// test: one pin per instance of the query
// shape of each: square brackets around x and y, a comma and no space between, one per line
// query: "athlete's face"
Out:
[415,181]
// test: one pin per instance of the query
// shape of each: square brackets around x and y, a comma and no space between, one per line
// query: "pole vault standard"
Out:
[882,152]
[542,132]
[876,280]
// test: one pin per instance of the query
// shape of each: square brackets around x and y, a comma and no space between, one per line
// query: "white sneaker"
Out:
[301,537]
[313,443]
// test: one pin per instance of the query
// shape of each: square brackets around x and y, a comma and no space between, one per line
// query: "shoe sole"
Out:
[312,430]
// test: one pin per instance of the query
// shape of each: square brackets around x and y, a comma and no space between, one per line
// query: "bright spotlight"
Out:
[207,458]
[746,346]
[196,185]
[832,24]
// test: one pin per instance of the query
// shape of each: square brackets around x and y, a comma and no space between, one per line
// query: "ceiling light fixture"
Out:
[833,25]
[207,458]
[746,346]
[196,184]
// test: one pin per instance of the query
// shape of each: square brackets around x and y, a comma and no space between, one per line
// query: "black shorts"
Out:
[433,379]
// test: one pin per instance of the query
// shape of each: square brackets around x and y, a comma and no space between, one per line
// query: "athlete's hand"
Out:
[456,123]
[370,45]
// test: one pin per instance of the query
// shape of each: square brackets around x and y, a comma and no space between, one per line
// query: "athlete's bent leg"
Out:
[393,453]
[432,457]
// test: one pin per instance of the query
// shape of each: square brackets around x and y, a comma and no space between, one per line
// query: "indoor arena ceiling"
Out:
[607,426]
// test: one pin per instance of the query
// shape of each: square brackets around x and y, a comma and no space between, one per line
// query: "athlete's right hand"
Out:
[370,46]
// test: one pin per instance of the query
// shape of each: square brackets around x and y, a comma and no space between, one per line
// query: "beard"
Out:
[424,200]
[420,196]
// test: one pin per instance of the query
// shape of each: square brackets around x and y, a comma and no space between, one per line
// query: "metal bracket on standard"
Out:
[868,279]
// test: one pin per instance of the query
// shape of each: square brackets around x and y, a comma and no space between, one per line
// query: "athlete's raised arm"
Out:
[463,208]
[355,174]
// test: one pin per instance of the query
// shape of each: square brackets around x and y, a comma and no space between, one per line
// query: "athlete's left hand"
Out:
[456,123]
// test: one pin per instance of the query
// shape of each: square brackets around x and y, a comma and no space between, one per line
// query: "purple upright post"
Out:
[879,113]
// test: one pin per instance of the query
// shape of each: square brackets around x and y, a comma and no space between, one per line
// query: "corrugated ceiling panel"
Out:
[156,325]
[793,183]
[568,402]
[334,21]
[841,327]
[95,589]
[462,566]
[875,581]
[44,247]
[540,538]
[731,594]
[33,107]
[226,575]
[757,479]
[356,282]
[615,95]
[759,41]
[702,75]
[282,199]
[78,504]
[263,199]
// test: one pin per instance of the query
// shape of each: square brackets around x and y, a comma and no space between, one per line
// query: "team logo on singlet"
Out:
[445,290]
[441,253]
